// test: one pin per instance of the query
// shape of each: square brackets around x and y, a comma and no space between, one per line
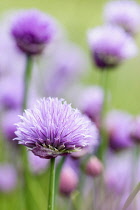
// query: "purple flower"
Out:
[11,95]
[8,124]
[52,128]
[135,130]
[118,173]
[64,72]
[91,102]
[32,30]
[94,167]
[123,13]
[36,164]
[118,126]
[110,46]
[69,177]
[8,178]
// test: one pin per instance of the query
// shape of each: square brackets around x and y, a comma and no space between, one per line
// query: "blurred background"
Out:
[76,16]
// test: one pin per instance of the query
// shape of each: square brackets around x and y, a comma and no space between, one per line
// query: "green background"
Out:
[78,16]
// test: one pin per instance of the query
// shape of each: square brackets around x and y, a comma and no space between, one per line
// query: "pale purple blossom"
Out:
[36,164]
[118,173]
[110,45]
[9,119]
[125,13]
[8,178]
[118,126]
[11,94]
[91,102]
[32,30]
[66,66]
[94,167]
[135,130]
[69,177]
[52,127]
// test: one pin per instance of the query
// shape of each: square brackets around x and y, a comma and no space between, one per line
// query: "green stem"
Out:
[25,183]
[104,139]
[25,187]
[27,78]
[131,196]
[51,185]
[104,84]
[135,156]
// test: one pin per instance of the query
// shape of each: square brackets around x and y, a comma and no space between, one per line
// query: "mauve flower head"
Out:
[11,95]
[125,13]
[8,124]
[94,167]
[32,30]
[91,102]
[110,50]
[135,129]
[118,173]
[118,126]
[68,63]
[69,177]
[52,127]
[8,178]
[36,164]
[13,65]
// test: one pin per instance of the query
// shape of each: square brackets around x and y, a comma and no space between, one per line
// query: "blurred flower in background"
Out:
[68,63]
[110,45]
[8,178]
[10,118]
[37,165]
[26,31]
[125,13]
[116,174]
[91,102]
[135,129]
[11,94]
[69,177]
[94,167]
[118,126]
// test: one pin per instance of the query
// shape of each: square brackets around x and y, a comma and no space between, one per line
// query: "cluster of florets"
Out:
[52,127]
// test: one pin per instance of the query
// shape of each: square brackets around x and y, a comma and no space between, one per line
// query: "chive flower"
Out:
[8,177]
[118,125]
[110,45]
[52,127]
[32,30]
[124,13]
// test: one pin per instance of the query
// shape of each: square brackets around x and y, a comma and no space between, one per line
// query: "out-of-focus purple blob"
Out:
[68,178]
[94,167]
[10,66]
[8,178]
[52,128]
[125,13]
[32,30]
[118,174]
[36,164]
[91,148]
[110,45]
[135,129]
[8,124]
[68,63]
[91,102]
[11,94]
[118,126]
